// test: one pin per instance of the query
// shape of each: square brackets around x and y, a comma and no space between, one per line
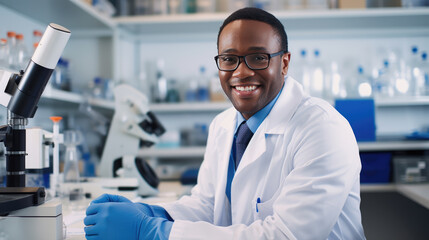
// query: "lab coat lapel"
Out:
[274,123]
[223,141]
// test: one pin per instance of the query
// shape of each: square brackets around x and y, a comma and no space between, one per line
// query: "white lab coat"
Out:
[302,162]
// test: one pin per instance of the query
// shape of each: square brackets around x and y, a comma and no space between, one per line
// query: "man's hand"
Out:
[123,220]
[143,207]
[110,198]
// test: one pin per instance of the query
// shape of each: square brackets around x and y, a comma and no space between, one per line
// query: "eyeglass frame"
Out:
[244,58]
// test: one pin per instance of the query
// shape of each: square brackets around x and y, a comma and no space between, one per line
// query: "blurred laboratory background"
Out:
[368,58]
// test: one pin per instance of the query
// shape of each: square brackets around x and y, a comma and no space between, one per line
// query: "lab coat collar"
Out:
[275,123]
[285,107]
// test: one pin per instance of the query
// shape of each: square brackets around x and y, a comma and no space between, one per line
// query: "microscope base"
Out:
[38,222]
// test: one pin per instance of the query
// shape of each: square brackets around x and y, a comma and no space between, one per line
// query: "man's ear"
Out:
[285,63]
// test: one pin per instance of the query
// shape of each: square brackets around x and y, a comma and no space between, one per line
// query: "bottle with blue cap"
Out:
[424,77]
[384,84]
[203,94]
[317,82]
[299,69]
[364,84]
[413,72]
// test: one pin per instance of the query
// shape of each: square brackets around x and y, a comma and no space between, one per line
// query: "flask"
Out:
[301,71]
[203,86]
[173,94]
[424,78]
[12,55]
[384,84]
[22,53]
[335,83]
[317,79]
[3,53]
[97,87]
[161,83]
[364,86]
[71,159]
[73,191]
[414,72]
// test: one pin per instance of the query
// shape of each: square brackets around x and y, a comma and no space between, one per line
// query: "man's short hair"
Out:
[260,15]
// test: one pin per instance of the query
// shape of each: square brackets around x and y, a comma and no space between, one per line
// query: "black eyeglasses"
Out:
[254,61]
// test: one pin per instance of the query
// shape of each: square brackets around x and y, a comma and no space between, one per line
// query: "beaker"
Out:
[72,189]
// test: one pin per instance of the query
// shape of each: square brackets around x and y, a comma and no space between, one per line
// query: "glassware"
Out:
[22,53]
[12,56]
[3,53]
[73,191]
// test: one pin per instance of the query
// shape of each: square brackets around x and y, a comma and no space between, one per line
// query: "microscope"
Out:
[132,127]
[24,207]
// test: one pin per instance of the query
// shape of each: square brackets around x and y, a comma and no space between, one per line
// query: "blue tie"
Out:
[243,138]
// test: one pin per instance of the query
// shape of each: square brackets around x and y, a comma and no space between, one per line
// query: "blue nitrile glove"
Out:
[150,210]
[110,198]
[123,220]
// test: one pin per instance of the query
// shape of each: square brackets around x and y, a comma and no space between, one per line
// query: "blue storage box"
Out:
[361,115]
[376,167]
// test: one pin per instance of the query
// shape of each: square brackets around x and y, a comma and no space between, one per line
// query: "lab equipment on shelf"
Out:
[317,77]
[411,169]
[3,53]
[22,52]
[12,54]
[61,76]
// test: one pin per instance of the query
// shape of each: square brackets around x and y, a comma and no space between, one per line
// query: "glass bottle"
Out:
[3,53]
[12,56]
[317,82]
[37,36]
[22,52]
[72,189]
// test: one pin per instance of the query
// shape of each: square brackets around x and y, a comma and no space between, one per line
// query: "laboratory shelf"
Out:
[402,101]
[371,22]
[189,107]
[55,95]
[182,152]
[76,15]
[393,145]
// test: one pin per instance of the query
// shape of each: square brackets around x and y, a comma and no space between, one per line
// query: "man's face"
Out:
[251,90]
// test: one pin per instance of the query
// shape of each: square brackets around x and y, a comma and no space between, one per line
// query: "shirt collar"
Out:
[254,121]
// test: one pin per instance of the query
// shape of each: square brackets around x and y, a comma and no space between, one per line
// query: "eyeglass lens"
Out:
[253,61]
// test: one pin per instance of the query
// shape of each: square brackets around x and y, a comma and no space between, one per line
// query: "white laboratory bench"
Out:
[418,192]
[73,219]
[172,190]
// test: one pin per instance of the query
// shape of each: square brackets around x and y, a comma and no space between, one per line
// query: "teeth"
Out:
[245,88]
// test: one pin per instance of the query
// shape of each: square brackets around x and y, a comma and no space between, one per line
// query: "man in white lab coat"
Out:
[278,165]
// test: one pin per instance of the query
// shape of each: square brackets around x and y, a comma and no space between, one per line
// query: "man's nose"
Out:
[242,70]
